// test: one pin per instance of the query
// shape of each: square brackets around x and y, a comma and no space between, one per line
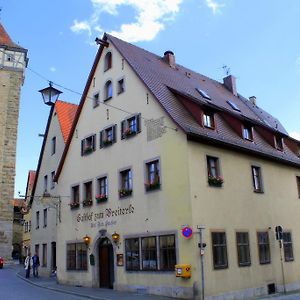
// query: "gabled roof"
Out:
[6,41]
[166,83]
[65,114]
[30,182]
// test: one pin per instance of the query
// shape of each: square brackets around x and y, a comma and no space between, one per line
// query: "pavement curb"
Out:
[60,290]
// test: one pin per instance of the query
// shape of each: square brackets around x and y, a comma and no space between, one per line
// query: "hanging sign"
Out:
[187,232]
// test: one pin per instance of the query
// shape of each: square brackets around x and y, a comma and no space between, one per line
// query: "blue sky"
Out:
[258,41]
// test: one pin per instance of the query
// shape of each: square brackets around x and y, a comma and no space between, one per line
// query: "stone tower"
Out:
[13,61]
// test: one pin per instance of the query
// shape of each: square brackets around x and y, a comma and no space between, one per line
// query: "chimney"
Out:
[169,58]
[230,84]
[253,100]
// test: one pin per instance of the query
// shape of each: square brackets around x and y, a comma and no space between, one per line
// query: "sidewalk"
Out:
[90,293]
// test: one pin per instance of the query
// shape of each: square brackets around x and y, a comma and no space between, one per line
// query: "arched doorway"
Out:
[106,264]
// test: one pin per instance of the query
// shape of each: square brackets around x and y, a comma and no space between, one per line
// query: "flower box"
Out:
[124,193]
[74,205]
[128,132]
[107,142]
[152,186]
[215,181]
[87,150]
[87,202]
[101,198]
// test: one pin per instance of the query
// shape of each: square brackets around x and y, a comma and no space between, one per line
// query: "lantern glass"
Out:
[50,94]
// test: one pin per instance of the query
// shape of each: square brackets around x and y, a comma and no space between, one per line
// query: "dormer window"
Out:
[108,90]
[107,61]
[278,143]
[247,133]
[208,120]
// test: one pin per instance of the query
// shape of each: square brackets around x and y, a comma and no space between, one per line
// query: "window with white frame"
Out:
[257,179]
[247,132]
[208,120]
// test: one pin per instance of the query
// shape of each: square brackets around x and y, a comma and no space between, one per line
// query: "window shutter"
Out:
[138,122]
[94,142]
[82,146]
[123,129]
[114,137]
[101,139]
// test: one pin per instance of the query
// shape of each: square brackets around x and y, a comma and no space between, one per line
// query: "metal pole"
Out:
[202,264]
[281,260]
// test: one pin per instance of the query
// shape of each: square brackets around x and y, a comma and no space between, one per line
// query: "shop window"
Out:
[88,193]
[167,252]
[149,254]
[152,175]
[108,136]
[53,145]
[243,249]
[125,183]
[263,247]
[257,179]
[108,90]
[88,145]
[74,197]
[298,185]
[219,249]
[107,61]
[102,194]
[208,120]
[96,100]
[45,217]
[121,86]
[131,126]
[247,133]
[37,219]
[44,257]
[288,246]
[76,256]
[213,171]
[132,254]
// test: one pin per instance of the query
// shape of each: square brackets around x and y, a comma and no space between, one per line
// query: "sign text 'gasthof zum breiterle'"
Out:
[104,217]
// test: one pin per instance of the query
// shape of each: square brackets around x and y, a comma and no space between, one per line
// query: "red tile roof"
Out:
[65,114]
[5,39]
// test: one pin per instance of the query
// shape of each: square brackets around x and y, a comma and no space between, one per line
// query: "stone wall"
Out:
[10,84]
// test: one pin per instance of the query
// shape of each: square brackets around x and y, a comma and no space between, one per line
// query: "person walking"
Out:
[35,265]
[27,265]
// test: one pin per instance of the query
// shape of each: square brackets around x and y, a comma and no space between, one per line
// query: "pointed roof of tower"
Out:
[6,41]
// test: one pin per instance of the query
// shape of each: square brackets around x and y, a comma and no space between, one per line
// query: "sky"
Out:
[257,40]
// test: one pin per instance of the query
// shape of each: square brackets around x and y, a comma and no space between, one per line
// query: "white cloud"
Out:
[295,135]
[214,5]
[52,69]
[150,18]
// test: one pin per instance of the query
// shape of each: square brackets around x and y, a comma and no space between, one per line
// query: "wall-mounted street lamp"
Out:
[115,237]
[87,239]
[50,94]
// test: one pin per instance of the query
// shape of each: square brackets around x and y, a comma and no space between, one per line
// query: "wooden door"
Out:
[106,264]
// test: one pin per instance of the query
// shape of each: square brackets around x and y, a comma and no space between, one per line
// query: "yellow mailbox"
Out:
[183,270]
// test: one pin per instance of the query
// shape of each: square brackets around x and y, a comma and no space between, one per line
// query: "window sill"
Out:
[215,185]
[209,127]
[216,268]
[258,191]
[245,265]
[119,93]
[129,134]
[125,194]
[107,143]
[107,99]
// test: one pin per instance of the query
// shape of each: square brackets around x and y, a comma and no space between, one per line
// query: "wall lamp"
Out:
[115,237]
[87,239]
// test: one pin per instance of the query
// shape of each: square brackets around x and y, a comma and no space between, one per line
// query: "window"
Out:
[288,246]
[203,94]
[278,143]
[88,193]
[45,183]
[121,86]
[130,126]
[107,61]
[233,105]
[208,120]
[247,133]
[29,226]
[88,145]
[213,171]
[37,249]
[219,250]
[53,145]
[96,100]
[298,185]
[102,189]
[257,179]
[149,254]
[108,136]
[125,183]
[76,256]
[52,180]
[108,90]
[37,218]
[243,249]
[74,196]
[132,254]
[152,175]
[167,252]
[44,259]
[263,247]
[45,217]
